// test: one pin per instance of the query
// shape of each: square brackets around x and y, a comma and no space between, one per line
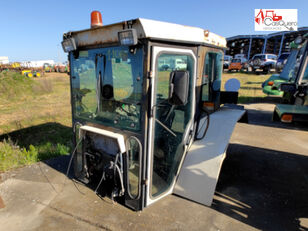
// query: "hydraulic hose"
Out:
[207,123]
[73,154]
[116,169]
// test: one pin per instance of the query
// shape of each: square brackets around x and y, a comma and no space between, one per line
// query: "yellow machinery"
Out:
[31,73]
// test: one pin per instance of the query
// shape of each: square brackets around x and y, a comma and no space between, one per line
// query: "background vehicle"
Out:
[281,61]
[60,67]
[240,56]
[227,61]
[272,85]
[264,62]
[238,64]
[134,123]
[296,92]
[47,67]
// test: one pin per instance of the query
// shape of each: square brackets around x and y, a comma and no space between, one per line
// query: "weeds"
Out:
[12,156]
[35,119]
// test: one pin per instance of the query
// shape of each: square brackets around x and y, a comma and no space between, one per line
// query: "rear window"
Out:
[271,56]
[262,57]
[284,56]
[236,60]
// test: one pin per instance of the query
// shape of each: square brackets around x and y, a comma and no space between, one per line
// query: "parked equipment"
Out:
[295,91]
[32,73]
[143,131]
[271,86]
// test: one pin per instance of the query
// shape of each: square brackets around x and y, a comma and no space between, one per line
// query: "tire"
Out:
[257,62]
[266,69]
[275,116]
[299,101]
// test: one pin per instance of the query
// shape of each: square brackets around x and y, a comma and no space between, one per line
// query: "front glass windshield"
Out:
[283,56]
[107,86]
[290,69]
[305,77]
[236,60]
[262,57]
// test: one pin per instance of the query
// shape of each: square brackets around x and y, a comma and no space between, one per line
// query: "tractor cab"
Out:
[143,94]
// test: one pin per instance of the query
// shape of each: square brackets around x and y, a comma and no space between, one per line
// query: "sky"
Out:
[33,29]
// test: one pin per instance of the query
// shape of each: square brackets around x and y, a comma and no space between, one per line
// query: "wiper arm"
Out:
[99,81]
[165,127]
[98,91]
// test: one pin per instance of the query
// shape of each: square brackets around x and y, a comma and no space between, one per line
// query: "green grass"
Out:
[12,156]
[35,118]
[251,89]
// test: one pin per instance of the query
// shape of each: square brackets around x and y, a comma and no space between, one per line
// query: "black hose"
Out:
[73,154]
[69,166]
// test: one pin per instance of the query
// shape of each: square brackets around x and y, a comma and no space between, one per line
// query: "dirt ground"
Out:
[263,185]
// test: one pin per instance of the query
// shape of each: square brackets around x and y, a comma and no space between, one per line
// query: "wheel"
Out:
[275,116]
[257,62]
[38,74]
[299,100]
[266,70]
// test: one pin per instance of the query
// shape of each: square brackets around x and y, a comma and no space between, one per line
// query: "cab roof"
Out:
[146,28]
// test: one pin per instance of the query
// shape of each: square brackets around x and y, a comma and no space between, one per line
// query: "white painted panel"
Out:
[199,174]
[156,51]
[117,136]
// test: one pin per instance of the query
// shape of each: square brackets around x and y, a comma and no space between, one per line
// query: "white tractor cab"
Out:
[143,132]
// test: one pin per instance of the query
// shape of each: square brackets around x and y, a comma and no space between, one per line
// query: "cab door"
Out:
[170,127]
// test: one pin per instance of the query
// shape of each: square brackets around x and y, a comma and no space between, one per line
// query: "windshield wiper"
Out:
[100,80]
[165,127]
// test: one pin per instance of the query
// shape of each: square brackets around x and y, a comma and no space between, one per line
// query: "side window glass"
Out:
[305,77]
[84,86]
[170,121]
[133,166]
[211,72]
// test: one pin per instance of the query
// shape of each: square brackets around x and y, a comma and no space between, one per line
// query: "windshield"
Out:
[284,56]
[262,57]
[236,60]
[305,77]
[107,86]
[290,70]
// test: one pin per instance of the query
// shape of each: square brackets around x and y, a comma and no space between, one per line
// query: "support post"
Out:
[264,46]
[249,49]
[281,43]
